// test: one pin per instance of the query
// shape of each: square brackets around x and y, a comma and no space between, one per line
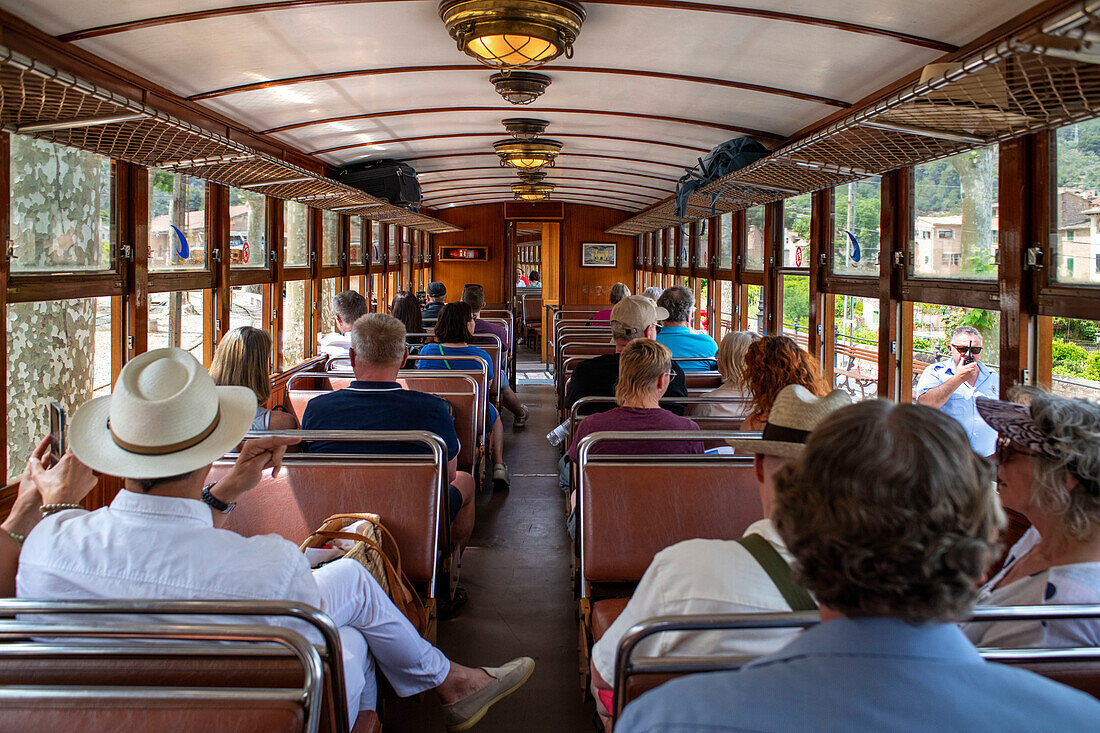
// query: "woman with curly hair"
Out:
[771,364]
[1048,469]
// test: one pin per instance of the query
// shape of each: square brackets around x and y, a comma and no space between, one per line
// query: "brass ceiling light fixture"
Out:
[527,155]
[513,34]
[532,191]
[524,128]
[520,87]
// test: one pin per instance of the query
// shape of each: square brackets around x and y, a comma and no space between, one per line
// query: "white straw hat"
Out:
[165,418]
[795,412]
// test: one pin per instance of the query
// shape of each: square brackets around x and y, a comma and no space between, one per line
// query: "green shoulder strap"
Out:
[779,571]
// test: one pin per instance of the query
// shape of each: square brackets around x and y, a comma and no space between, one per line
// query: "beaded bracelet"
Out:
[48,509]
[16,536]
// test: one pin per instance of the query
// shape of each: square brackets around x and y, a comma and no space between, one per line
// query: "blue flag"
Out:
[182,250]
[854,253]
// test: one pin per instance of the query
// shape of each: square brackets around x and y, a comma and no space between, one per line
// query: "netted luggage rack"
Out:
[54,105]
[1042,78]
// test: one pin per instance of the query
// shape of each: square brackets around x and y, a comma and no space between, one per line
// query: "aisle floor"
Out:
[516,572]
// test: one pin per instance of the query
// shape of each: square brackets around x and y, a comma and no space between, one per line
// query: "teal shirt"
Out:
[683,342]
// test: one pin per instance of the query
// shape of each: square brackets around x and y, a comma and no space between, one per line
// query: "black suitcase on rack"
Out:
[391,180]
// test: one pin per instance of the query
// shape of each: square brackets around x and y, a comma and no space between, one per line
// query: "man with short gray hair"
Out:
[347,307]
[677,334]
[954,384]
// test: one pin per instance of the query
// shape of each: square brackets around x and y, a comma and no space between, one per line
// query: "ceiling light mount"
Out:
[532,191]
[524,128]
[531,176]
[513,34]
[520,87]
[527,155]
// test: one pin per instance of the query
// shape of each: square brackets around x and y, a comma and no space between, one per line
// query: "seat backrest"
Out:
[461,390]
[702,381]
[404,490]
[532,308]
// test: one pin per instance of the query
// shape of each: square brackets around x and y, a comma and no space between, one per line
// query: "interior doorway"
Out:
[535,250]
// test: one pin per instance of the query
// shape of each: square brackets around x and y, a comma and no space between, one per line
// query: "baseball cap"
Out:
[436,289]
[636,313]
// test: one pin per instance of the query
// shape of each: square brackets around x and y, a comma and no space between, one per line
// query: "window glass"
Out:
[328,315]
[246,306]
[754,309]
[670,247]
[726,308]
[1074,351]
[296,309]
[330,238]
[702,244]
[58,351]
[933,325]
[247,228]
[659,252]
[639,250]
[857,210]
[796,231]
[176,319]
[391,258]
[295,234]
[60,208]
[855,345]
[725,241]
[357,283]
[355,231]
[702,300]
[685,248]
[376,242]
[177,222]
[796,306]
[1077,178]
[377,283]
[754,239]
[955,217]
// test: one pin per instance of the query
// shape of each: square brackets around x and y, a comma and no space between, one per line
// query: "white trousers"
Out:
[372,629]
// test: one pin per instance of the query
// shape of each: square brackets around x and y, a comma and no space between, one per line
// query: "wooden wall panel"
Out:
[483,226]
[593,284]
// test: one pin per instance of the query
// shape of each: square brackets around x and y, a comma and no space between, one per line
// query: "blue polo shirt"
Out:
[379,406]
[683,342]
[466,364]
[962,404]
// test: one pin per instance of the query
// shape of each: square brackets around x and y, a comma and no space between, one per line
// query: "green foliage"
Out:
[1070,360]
[1079,155]
[937,188]
[796,299]
[1076,329]
[922,344]
[1092,366]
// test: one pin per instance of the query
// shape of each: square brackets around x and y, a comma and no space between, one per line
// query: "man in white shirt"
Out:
[721,576]
[161,539]
[346,307]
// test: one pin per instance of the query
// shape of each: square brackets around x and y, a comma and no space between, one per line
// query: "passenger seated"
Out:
[243,359]
[719,576]
[771,364]
[1048,469]
[453,331]
[347,306]
[534,280]
[406,308]
[676,332]
[603,318]
[437,298]
[653,292]
[375,401]
[160,539]
[632,317]
[890,517]
[66,483]
[474,296]
[731,365]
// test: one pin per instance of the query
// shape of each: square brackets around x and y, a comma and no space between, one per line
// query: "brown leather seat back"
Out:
[632,510]
[108,713]
[1083,675]
[402,490]
[698,382]
[461,393]
[480,377]
[299,398]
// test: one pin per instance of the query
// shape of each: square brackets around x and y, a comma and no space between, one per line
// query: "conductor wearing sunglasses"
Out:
[955,383]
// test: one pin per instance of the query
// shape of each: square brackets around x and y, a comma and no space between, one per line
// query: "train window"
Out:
[855,346]
[702,244]
[796,306]
[355,232]
[1072,348]
[376,242]
[684,260]
[246,306]
[670,247]
[60,207]
[58,350]
[726,317]
[659,248]
[954,234]
[247,228]
[752,308]
[857,213]
[355,282]
[796,231]
[1076,245]
[176,319]
[295,234]
[725,242]
[391,251]
[754,239]
[933,325]
[328,315]
[330,238]
[177,222]
[296,312]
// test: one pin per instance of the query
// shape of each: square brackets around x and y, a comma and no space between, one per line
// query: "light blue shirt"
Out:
[867,674]
[683,342]
[962,404]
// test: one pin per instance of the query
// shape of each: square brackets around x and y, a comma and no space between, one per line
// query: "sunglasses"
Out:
[975,350]
[1007,450]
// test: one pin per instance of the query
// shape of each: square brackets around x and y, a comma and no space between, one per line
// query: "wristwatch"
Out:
[215,502]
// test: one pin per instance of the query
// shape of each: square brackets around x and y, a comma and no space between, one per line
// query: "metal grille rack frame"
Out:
[1044,77]
[53,105]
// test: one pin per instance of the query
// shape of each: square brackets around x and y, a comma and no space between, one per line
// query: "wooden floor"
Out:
[516,572]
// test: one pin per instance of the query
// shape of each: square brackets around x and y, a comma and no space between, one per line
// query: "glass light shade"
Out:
[513,51]
[532,191]
[527,154]
[513,34]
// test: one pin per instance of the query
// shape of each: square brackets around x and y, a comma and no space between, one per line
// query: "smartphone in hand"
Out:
[56,415]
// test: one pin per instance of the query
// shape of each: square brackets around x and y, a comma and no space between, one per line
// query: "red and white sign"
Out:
[798,257]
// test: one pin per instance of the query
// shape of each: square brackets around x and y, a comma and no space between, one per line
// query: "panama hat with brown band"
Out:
[794,414]
[166,417]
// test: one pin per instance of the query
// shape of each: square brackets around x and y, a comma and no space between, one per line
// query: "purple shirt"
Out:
[640,419]
[495,329]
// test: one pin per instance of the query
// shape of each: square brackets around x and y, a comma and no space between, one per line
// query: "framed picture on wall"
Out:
[598,254]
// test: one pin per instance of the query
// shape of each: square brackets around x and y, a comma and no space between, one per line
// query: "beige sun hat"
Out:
[165,418]
[795,412]
[636,313]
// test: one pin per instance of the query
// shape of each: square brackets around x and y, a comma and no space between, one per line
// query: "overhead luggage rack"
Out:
[1044,77]
[54,105]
